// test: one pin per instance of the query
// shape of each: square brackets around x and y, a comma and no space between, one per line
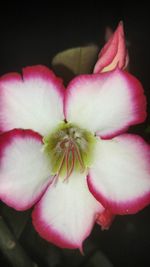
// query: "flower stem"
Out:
[11,248]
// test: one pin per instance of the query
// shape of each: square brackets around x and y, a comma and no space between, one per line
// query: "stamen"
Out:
[67,161]
[69,172]
[69,148]
[60,167]
[79,156]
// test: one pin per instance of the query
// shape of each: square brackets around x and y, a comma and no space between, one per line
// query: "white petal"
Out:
[25,171]
[105,103]
[66,213]
[120,174]
[34,102]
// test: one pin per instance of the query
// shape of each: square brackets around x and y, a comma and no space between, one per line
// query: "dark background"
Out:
[33,34]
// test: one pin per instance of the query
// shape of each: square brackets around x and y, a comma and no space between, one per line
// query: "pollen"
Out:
[69,148]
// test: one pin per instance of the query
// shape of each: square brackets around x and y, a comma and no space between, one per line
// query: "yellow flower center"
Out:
[69,148]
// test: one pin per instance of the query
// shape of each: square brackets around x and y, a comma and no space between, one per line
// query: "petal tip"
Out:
[49,233]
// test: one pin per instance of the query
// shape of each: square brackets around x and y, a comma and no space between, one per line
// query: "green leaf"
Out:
[75,61]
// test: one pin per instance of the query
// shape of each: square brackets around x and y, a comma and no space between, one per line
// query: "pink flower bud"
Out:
[114,53]
[105,219]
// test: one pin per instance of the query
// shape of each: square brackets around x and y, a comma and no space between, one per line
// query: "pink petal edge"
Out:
[139,98]
[49,234]
[128,207]
[46,74]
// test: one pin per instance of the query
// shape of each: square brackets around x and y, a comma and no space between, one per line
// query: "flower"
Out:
[114,53]
[66,151]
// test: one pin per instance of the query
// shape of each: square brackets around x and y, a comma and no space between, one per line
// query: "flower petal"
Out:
[32,102]
[66,213]
[105,103]
[114,53]
[120,175]
[25,170]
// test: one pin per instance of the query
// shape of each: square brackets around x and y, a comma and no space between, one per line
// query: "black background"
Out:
[33,33]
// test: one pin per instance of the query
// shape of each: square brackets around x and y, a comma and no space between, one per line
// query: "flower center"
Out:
[69,149]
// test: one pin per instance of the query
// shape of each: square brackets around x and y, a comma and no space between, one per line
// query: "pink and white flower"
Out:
[66,151]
